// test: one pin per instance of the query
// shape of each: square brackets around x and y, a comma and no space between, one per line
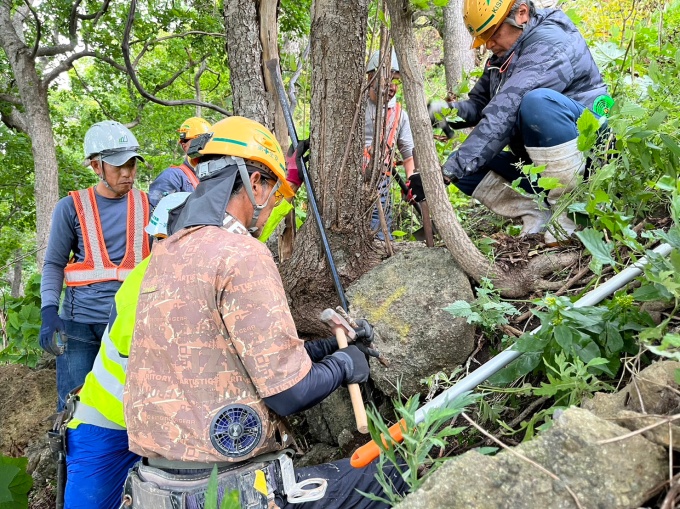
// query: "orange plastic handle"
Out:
[369,452]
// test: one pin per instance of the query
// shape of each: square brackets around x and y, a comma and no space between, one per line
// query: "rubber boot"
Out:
[566,163]
[496,194]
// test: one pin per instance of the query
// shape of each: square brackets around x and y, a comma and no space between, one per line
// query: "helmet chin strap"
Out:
[245,178]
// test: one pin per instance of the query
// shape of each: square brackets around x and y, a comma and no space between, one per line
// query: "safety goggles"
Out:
[276,184]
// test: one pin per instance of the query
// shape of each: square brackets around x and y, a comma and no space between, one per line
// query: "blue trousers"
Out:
[546,118]
[97,463]
[76,362]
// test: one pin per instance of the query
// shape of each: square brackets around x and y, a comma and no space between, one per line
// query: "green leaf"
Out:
[594,242]
[564,336]
[588,126]
[459,309]
[614,340]
[231,500]
[548,183]
[531,343]
[15,483]
[517,368]
[211,492]
[657,119]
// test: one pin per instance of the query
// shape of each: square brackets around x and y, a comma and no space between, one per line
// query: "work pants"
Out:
[546,119]
[82,345]
[97,463]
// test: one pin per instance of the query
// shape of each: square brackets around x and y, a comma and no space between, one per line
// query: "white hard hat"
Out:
[158,224]
[113,141]
[375,61]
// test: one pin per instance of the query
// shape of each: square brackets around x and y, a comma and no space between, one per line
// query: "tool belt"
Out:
[161,484]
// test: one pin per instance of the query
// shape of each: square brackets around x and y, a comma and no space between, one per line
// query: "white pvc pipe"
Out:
[504,358]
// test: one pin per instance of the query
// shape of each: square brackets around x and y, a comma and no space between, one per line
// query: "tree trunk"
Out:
[512,281]
[39,125]
[338,42]
[244,51]
[458,56]
[270,49]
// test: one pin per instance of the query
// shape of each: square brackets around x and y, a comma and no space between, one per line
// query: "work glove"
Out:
[51,323]
[294,160]
[435,109]
[451,171]
[415,188]
[364,338]
[356,365]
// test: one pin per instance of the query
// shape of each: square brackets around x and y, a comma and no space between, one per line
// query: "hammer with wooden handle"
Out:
[342,330]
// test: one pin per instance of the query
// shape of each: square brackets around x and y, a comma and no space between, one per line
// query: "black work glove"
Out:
[51,323]
[356,365]
[415,188]
[450,172]
[364,338]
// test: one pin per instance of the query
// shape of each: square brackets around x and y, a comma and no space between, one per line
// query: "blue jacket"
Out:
[171,180]
[550,53]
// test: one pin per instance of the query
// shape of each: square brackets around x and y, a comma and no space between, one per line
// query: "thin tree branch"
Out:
[38,29]
[73,24]
[292,95]
[12,99]
[60,49]
[662,420]
[95,16]
[14,119]
[67,65]
[133,75]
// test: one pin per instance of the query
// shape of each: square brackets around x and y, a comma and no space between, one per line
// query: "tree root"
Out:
[518,282]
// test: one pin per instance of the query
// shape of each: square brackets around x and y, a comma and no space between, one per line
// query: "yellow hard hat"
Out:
[251,141]
[193,127]
[482,18]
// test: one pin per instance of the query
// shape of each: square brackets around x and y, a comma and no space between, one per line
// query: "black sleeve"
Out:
[322,379]
[320,348]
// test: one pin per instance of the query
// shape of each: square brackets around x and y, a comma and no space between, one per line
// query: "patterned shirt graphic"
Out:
[213,329]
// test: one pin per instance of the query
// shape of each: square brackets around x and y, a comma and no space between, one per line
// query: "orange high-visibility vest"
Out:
[189,174]
[97,266]
[392,124]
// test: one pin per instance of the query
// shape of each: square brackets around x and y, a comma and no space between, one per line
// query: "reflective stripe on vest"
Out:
[392,123]
[189,173]
[96,266]
[101,397]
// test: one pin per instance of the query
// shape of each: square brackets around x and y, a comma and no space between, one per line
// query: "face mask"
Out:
[277,215]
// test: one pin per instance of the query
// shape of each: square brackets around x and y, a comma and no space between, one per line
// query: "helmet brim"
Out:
[120,158]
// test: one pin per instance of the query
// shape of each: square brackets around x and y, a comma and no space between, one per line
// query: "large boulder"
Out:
[613,475]
[651,394]
[403,298]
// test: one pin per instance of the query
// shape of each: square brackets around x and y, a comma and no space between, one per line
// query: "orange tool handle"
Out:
[369,452]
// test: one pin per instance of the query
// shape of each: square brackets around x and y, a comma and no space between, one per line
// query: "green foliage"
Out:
[585,333]
[15,483]
[413,454]
[229,500]
[22,325]
[488,310]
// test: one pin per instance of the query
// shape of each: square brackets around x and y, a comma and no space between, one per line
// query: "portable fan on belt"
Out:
[236,430]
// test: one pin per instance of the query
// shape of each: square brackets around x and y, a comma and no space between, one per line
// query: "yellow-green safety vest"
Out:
[101,397]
